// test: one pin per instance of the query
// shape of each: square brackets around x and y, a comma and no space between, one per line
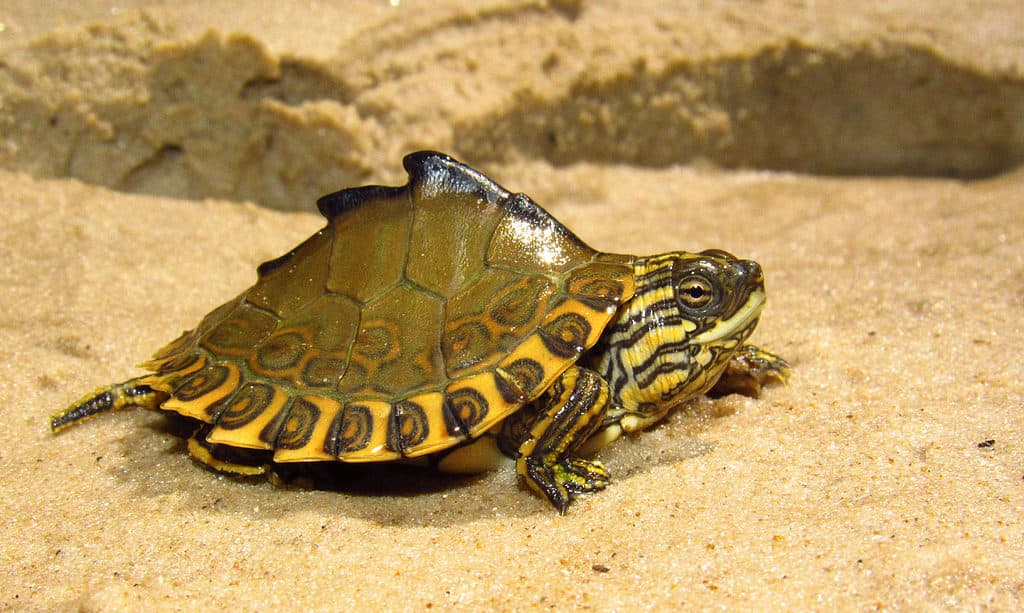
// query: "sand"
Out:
[864,154]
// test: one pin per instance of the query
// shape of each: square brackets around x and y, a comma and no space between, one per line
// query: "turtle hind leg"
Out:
[225,459]
[574,408]
[750,369]
[125,395]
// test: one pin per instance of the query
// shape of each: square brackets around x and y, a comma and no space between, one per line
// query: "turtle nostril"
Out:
[749,269]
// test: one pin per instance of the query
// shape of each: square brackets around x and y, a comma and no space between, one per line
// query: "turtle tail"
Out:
[125,395]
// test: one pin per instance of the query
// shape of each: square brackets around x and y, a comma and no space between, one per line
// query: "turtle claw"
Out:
[565,480]
[579,476]
[749,370]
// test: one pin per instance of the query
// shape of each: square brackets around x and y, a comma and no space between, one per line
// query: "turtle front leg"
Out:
[571,411]
[749,370]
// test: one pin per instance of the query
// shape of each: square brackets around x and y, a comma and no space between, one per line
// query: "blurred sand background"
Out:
[867,154]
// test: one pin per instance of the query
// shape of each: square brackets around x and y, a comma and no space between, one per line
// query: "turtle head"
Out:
[675,336]
[718,298]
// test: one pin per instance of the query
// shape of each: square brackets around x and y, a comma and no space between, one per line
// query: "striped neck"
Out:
[672,339]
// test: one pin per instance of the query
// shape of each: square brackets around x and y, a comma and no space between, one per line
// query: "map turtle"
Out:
[453,323]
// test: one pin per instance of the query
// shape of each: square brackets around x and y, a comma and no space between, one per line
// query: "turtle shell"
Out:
[420,316]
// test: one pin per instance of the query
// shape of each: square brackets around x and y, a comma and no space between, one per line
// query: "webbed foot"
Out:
[563,481]
[547,460]
[749,370]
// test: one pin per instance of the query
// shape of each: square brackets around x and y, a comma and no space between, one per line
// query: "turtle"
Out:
[452,323]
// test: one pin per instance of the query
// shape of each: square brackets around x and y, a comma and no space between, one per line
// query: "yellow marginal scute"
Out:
[313,450]
[248,436]
[376,450]
[166,381]
[196,408]
[533,349]
[597,319]
[603,281]
[438,436]
[485,385]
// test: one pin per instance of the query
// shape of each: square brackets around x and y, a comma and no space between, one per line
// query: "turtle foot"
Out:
[749,370]
[563,481]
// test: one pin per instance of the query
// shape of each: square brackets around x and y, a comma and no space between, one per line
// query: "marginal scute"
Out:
[375,447]
[314,420]
[243,426]
[463,410]
[408,426]
[485,391]
[520,380]
[596,316]
[293,427]
[528,370]
[566,335]
[510,392]
[350,431]
[244,406]
[194,394]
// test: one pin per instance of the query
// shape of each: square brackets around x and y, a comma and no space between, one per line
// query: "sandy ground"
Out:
[863,155]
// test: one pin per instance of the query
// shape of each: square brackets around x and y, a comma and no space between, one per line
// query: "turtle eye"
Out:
[695,292]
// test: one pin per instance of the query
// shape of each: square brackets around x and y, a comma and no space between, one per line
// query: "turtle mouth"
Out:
[740,324]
